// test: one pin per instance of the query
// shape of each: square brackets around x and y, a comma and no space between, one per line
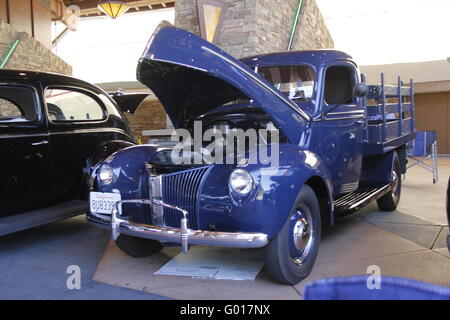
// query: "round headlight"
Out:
[241,181]
[106,174]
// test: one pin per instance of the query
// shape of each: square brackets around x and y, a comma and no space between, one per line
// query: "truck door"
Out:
[342,129]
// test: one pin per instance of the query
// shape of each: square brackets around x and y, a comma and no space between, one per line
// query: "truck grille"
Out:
[181,189]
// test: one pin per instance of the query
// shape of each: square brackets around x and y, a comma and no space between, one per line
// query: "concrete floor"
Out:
[407,243]
[34,263]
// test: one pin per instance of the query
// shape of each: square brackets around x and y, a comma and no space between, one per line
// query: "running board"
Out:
[42,216]
[354,201]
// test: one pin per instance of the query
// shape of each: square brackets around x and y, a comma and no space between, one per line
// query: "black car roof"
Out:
[45,77]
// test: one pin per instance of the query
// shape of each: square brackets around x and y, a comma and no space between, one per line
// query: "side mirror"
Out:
[360,90]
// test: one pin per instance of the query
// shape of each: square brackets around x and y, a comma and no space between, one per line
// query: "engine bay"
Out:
[230,131]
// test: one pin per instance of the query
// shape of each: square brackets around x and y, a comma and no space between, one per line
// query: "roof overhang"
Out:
[89,8]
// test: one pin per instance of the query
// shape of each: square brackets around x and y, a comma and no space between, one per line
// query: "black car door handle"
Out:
[39,143]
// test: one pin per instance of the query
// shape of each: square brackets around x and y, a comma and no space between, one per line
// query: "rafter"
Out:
[138,5]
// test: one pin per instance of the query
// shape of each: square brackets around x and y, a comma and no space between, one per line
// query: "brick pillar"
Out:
[261,26]
[150,115]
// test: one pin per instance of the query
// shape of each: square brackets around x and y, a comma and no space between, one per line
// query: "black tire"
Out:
[138,247]
[280,263]
[390,200]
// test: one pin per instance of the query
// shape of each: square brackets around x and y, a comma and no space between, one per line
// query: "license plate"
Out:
[103,202]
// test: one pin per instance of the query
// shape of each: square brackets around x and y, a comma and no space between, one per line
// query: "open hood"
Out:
[129,102]
[190,76]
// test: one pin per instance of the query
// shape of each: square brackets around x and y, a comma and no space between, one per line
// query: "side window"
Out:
[297,82]
[17,104]
[109,105]
[339,82]
[71,105]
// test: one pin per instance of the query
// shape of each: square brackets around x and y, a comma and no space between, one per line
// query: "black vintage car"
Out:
[53,130]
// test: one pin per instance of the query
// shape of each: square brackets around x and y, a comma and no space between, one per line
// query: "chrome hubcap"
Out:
[394,184]
[302,235]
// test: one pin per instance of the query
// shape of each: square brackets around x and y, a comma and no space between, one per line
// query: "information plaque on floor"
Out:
[215,263]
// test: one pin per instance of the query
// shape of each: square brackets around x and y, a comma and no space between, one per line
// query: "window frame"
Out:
[36,101]
[84,91]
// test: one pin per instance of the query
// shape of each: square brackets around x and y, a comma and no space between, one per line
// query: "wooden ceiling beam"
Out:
[150,4]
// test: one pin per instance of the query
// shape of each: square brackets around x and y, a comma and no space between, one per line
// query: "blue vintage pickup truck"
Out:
[339,145]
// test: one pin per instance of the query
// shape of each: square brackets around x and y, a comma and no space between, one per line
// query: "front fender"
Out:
[269,204]
[130,179]
[103,151]
[129,169]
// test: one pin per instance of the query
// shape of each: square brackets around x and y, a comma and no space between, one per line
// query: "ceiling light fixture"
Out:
[113,9]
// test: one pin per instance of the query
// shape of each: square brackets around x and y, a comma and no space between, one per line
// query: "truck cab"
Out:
[337,114]
[352,122]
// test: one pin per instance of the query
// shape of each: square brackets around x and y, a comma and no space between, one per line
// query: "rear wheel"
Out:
[138,247]
[291,254]
[390,200]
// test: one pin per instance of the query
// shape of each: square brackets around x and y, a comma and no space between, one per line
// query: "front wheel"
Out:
[390,200]
[291,254]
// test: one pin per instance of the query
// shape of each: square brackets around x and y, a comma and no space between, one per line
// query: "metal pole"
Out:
[59,37]
[434,162]
[383,97]
[400,106]
[411,92]
[366,117]
[294,26]
[9,54]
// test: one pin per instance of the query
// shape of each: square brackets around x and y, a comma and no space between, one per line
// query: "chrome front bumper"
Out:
[182,235]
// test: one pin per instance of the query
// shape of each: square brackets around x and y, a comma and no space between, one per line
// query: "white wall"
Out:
[420,72]
[389,31]
[107,50]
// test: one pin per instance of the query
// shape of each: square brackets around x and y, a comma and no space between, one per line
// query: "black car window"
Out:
[17,104]
[71,105]
[109,105]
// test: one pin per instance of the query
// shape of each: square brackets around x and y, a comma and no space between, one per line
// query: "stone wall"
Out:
[261,26]
[239,30]
[150,115]
[30,54]
[9,109]
[313,32]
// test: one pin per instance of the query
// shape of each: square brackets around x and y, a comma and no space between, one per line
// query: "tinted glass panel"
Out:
[17,104]
[297,82]
[339,82]
[67,105]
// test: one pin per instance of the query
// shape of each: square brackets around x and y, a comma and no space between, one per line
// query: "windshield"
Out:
[296,82]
